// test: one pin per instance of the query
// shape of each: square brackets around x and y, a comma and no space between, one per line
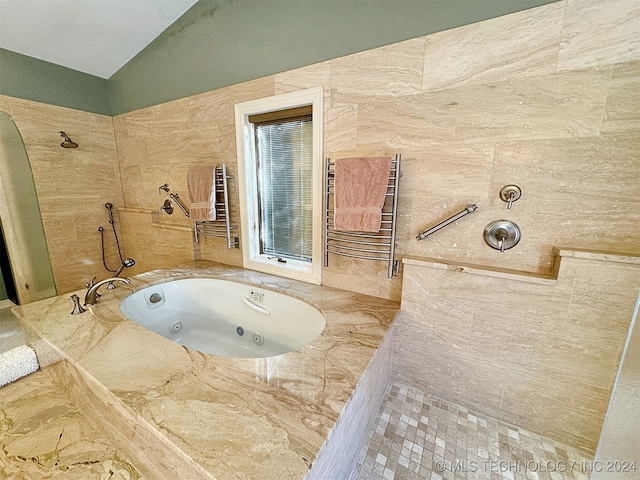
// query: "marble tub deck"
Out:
[44,435]
[181,414]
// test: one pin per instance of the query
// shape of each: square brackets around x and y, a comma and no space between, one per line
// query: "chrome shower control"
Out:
[502,235]
[510,194]
[167,207]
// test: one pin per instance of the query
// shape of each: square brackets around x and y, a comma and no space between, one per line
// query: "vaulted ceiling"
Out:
[92,36]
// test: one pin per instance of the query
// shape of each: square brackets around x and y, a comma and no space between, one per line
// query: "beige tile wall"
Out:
[540,356]
[538,98]
[72,186]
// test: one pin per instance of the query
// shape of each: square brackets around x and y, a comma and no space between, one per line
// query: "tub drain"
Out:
[258,338]
[175,327]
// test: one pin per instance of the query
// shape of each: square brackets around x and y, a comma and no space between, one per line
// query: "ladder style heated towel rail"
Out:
[221,226]
[369,246]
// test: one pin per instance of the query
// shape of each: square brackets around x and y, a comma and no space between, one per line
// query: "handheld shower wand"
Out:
[126,263]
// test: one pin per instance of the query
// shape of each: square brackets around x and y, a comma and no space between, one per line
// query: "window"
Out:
[280,182]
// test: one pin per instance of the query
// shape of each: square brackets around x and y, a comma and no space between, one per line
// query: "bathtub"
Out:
[225,318]
[179,414]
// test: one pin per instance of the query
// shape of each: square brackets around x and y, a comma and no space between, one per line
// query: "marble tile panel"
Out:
[584,223]
[559,169]
[215,249]
[453,170]
[622,110]
[218,106]
[140,123]
[132,150]
[599,32]
[131,181]
[201,143]
[153,246]
[153,456]
[340,127]
[170,129]
[60,227]
[521,44]
[227,144]
[570,415]
[604,293]
[316,75]
[562,105]
[386,71]
[45,436]
[424,360]
[406,122]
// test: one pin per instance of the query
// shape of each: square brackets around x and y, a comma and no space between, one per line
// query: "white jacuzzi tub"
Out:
[225,318]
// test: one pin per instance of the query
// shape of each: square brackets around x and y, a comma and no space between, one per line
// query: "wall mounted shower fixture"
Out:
[164,187]
[510,194]
[502,235]
[167,206]
[67,142]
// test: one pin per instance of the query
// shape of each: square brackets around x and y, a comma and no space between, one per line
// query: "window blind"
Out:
[284,163]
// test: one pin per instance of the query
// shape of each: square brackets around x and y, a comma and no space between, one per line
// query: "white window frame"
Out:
[252,259]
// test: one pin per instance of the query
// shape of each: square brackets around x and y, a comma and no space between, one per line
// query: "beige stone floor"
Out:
[44,436]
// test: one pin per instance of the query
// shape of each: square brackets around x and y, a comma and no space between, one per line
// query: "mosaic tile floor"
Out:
[417,437]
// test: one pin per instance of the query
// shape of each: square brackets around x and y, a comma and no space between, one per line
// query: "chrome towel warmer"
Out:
[221,226]
[369,246]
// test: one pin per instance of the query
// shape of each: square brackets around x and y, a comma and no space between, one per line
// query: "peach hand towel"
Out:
[201,185]
[359,193]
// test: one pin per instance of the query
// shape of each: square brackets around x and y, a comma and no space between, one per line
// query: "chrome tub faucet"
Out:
[90,297]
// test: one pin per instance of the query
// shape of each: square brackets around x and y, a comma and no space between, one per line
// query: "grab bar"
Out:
[176,199]
[470,208]
[257,308]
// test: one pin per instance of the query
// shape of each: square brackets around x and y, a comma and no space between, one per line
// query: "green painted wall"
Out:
[223,42]
[32,79]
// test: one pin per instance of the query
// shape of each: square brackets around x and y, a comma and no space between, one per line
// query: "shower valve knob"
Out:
[510,194]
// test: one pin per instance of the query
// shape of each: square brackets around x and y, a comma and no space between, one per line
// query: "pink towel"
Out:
[201,184]
[360,189]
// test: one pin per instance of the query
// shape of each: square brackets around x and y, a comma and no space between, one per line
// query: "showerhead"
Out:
[108,206]
[67,143]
